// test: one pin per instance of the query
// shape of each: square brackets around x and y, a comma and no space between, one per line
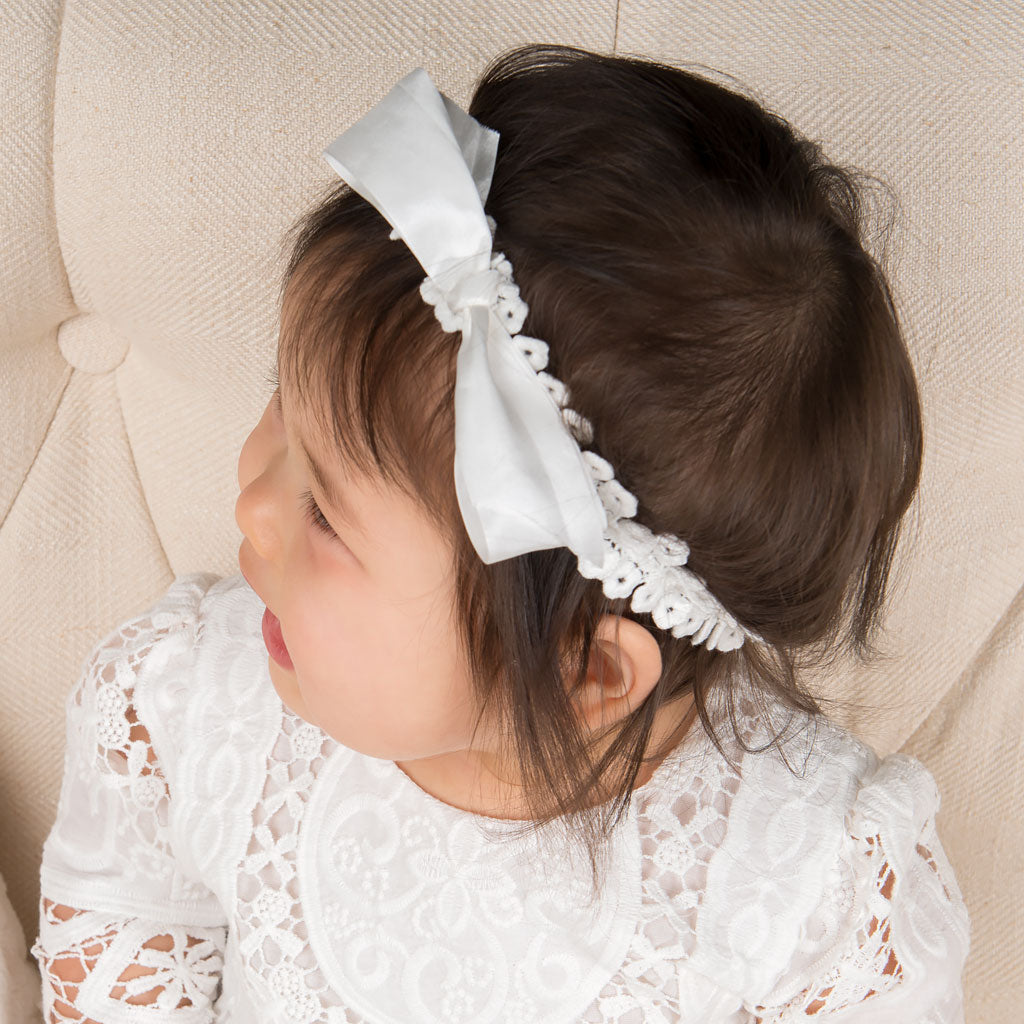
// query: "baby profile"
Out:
[592,427]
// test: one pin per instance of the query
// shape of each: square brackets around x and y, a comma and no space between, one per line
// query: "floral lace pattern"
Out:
[94,950]
[112,775]
[272,933]
[246,868]
[126,786]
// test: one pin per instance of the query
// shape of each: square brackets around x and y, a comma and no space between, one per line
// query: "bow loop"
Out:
[520,477]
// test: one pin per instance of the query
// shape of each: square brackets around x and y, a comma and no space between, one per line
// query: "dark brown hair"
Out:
[700,273]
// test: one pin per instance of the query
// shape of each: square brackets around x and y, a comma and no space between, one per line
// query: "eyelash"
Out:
[315,516]
[313,513]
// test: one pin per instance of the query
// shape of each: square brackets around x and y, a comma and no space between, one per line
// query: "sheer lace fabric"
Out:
[184,969]
[257,871]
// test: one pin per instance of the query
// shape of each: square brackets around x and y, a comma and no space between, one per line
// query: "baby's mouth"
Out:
[275,641]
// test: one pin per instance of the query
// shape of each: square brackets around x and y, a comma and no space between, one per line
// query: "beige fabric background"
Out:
[154,153]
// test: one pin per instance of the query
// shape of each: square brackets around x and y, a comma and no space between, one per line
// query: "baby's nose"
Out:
[254,513]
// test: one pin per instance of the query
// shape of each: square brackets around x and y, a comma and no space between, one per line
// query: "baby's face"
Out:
[366,612]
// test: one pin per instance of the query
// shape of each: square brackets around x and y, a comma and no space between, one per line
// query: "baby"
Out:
[592,427]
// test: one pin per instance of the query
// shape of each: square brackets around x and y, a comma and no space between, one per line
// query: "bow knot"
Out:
[455,292]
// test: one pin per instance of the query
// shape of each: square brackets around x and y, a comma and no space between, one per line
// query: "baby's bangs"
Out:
[374,369]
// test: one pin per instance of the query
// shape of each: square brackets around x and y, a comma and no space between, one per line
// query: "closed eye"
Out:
[315,516]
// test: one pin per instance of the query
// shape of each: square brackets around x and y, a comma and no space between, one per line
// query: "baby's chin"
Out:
[284,683]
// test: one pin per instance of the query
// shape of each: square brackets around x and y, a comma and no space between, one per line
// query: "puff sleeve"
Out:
[889,939]
[126,933]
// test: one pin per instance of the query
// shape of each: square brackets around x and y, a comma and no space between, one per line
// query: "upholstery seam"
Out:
[967,678]
[42,441]
[138,476]
[53,166]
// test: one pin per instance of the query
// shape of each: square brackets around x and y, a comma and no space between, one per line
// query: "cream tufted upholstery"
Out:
[153,155]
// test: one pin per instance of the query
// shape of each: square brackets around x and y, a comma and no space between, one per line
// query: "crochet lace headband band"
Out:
[524,482]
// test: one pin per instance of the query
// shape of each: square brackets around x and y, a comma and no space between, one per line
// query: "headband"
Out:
[523,480]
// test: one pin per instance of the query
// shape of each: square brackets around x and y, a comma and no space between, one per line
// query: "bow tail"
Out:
[520,477]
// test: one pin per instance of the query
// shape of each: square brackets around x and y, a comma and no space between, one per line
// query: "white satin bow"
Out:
[520,476]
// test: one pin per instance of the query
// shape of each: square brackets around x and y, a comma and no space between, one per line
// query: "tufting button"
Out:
[90,344]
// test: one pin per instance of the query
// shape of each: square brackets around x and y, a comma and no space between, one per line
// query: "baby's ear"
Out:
[623,666]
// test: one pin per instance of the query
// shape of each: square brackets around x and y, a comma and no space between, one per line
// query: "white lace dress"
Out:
[260,872]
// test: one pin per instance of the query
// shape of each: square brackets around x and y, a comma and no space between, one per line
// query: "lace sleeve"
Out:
[126,932]
[101,968]
[890,941]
